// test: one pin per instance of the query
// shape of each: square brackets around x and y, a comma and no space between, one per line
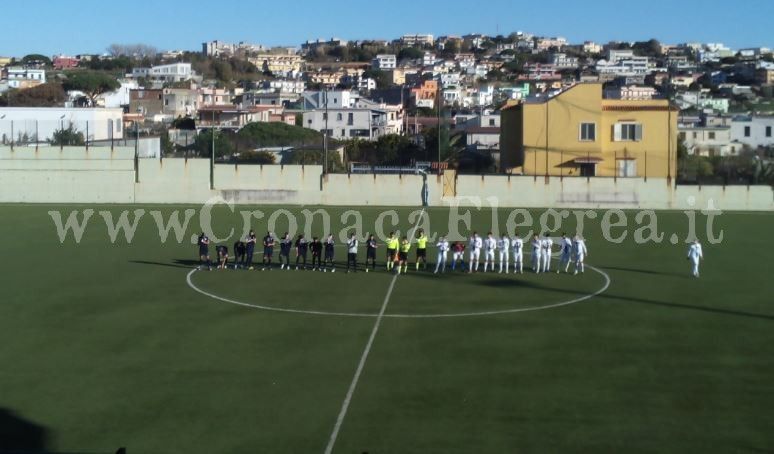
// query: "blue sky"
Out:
[89,26]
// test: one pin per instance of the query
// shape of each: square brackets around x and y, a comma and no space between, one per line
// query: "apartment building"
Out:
[385,62]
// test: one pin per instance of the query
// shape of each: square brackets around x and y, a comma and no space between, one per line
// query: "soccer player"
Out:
[250,240]
[204,251]
[580,252]
[504,248]
[490,246]
[240,249]
[458,255]
[317,249]
[405,247]
[548,245]
[352,245]
[443,251]
[695,255]
[301,249]
[330,246]
[421,249]
[268,250]
[517,244]
[475,252]
[222,257]
[285,244]
[392,251]
[371,246]
[565,246]
[537,254]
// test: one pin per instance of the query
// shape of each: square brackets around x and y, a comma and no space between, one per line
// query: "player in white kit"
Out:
[695,255]
[490,245]
[548,244]
[443,251]
[580,252]
[476,243]
[504,249]
[537,254]
[565,250]
[517,244]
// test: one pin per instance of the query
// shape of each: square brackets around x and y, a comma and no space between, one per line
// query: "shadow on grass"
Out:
[641,271]
[20,435]
[175,264]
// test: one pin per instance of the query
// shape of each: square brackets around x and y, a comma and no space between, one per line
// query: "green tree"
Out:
[92,83]
[257,157]
[44,95]
[69,136]
[36,60]
[223,145]
[381,77]
[410,53]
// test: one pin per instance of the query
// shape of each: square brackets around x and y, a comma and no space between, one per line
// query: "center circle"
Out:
[538,307]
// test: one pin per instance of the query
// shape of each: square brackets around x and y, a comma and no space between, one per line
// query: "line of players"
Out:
[322,252]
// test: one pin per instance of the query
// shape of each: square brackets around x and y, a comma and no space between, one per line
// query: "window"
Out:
[627,132]
[588,132]
[747,131]
[588,170]
[712,136]
[627,168]
[339,116]
[350,118]
[682,136]
[695,135]
[325,116]
[768,131]
[491,122]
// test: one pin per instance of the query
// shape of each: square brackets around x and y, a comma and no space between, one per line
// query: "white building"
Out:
[43,122]
[706,140]
[631,92]
[428,59]
[385,62]
[562,61]
[755,131]
[417,40]
[367,124]
[284,86]
[175,72]
[17,76]
[118,98]
[590,47]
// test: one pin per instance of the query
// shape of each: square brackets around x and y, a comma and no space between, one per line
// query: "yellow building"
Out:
[587,135]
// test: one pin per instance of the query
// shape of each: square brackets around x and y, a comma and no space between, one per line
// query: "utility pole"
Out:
[212,156]
[439,126]
[325,137]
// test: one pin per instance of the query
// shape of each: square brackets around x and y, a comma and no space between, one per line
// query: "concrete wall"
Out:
[99,175]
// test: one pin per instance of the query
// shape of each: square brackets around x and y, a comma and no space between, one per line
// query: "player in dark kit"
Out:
[240,251]
[301,249]
[330,245]
[317,248]
[268,250]
[371,246]
[285,244]
[204,251]
[222,257]
[250,241]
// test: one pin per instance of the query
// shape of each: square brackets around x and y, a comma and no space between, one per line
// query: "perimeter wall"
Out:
[99,175]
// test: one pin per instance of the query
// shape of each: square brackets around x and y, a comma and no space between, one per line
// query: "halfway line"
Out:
[364,357]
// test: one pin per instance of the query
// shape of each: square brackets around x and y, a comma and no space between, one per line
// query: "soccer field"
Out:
[109,345]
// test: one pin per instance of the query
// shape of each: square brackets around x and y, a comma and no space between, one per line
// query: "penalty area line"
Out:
[364,356]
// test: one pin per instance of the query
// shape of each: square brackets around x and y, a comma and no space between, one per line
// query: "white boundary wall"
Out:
[99,175]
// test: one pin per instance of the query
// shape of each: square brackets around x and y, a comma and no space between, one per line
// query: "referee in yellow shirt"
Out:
[392,250]
[421,249]
[405,247]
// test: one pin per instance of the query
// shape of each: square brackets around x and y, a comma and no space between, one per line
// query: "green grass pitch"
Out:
[105,345]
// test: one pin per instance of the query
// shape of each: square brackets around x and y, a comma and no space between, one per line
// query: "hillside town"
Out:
[418,100]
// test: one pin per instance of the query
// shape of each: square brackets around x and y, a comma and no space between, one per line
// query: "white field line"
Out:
[364,356]
[427,316]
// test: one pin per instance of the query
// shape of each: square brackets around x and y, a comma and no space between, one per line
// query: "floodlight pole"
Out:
[325,136]
[212,152]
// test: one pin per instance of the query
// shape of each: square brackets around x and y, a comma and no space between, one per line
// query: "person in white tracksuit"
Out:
[565,246]
[548,244]
[517,244]
[504,249]
[490,246]
[537,254]
[443,252]
[695,255]
[476,243]
[580,252]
